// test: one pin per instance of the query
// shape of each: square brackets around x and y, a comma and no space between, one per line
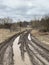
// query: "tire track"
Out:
[38,54]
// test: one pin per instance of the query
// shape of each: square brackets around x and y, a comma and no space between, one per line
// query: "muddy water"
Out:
[29,37]
[17,54]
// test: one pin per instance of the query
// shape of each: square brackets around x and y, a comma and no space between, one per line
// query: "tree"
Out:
[45,23]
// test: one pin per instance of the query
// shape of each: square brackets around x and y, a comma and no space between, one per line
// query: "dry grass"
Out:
[43,37]
[5,34]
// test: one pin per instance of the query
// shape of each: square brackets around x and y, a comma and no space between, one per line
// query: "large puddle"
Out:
[17,54]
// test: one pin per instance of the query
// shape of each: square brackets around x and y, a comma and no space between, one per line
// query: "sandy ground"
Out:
[43,37]
[17,54]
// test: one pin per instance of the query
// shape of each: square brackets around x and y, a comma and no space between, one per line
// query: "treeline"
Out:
[8,23]
[42,25]
[5,22]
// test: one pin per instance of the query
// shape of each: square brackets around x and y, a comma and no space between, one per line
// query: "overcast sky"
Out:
[23,9]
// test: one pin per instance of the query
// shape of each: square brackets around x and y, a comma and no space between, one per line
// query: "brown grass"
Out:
[42,36]
[5,34]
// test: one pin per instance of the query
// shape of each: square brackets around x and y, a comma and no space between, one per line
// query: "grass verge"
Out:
[41,36]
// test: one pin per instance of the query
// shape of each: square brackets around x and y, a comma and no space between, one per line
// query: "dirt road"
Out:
[6,50]
[25,50]
[29,51]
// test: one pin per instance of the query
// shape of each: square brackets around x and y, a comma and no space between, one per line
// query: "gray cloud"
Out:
[23,9]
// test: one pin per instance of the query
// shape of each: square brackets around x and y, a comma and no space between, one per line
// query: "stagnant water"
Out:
[17,54]
[29,37]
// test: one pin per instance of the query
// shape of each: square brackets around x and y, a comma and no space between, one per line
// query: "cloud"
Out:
[23,9]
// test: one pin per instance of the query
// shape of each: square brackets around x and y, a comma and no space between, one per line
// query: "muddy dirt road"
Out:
[31,51]
[24,50]
[6,50]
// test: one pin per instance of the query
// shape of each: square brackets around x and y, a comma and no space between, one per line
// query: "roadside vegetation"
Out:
[8,28]
[40,28]
[41,36]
